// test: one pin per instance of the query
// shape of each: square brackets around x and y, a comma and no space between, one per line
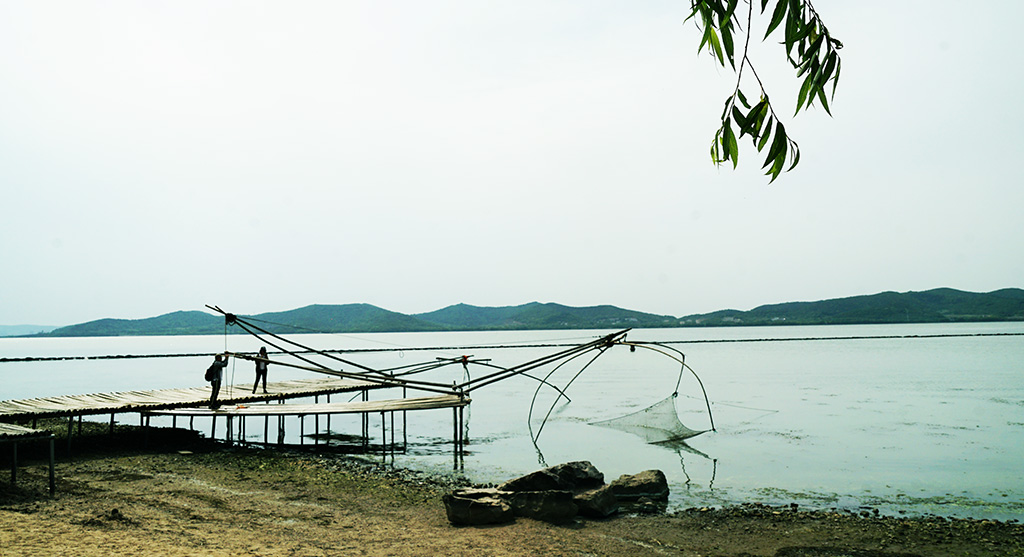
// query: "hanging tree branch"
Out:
[810,49]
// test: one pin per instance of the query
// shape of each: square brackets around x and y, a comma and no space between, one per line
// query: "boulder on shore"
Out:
[597,503]
[473,507]
[649,483]
[557,494]
[579,475]
[541,480]
[554,506]
[570,476]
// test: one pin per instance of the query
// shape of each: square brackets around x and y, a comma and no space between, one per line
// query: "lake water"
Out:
[912,419]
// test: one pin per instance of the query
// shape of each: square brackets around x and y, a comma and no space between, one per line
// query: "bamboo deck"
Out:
[234,401]
[165,399]
[362,407]
[17,433]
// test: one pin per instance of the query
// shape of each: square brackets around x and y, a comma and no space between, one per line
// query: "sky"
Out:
[263,156]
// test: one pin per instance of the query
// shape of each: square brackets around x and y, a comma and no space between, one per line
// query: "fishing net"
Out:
[658,423]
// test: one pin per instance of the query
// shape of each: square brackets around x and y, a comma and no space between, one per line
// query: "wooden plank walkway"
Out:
[362,407]
[11,432]
[236,401]
[137,401]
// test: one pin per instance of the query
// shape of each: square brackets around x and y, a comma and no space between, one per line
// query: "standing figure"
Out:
[214,375]
[261,370]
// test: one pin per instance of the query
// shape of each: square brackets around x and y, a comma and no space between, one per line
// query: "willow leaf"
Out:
[730,141]
[804,89]
[767,134]
[796,157]
[727,43]
[778,145]
[741,120]
[777,16]
[824,100]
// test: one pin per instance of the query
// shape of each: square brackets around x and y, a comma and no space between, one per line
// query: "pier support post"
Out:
[53,480]
[366,421]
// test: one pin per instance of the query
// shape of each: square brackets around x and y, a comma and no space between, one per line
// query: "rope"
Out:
[536,392]
[378,377]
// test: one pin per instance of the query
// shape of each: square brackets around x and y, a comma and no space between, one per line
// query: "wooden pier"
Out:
[235,403]
[15,434]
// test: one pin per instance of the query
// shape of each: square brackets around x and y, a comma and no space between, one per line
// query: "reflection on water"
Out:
[680,447]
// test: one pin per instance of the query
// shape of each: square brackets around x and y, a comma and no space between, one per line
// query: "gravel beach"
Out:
[173,493]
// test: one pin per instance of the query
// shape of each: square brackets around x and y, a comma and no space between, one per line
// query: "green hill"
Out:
[177,323]
[538,316]
[942,305]
[348,318]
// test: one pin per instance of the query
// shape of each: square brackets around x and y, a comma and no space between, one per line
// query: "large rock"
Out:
[470,507]
[552,506]
[577,475]
[541,480]
[597,503]
[649,483]
[570,476]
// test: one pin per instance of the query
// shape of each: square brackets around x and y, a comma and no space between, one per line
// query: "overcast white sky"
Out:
[263,156]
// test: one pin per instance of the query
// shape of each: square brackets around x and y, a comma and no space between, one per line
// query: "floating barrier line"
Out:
[506,346]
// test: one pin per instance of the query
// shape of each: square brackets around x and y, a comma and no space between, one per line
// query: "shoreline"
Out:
[185,495]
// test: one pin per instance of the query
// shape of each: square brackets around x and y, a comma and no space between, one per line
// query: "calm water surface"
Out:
[929,424]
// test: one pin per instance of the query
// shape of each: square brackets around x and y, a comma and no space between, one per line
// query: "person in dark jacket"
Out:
[220,362]
[261,370]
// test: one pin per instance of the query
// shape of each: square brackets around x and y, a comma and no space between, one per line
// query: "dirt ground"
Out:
[192,497]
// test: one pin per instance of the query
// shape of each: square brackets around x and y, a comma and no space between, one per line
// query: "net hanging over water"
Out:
[658,423]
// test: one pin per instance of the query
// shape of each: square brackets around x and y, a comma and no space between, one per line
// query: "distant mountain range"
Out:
[942,305]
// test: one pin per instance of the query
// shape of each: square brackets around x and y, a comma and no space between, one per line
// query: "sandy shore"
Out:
[180,495]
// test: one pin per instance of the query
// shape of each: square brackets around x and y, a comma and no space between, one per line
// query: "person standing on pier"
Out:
[261,370]
[214,375]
